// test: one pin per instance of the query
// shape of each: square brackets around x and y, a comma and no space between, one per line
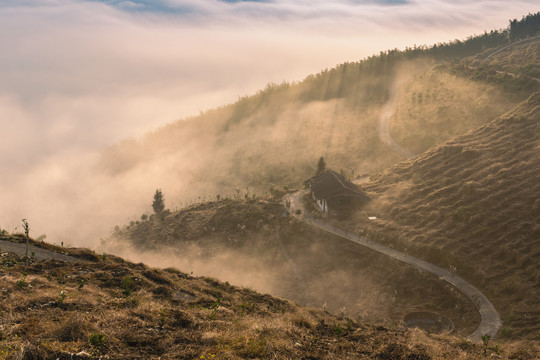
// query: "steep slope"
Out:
[473,203]
[106,307]
[431,107]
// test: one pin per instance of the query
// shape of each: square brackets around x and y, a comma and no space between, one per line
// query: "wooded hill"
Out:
[276,136]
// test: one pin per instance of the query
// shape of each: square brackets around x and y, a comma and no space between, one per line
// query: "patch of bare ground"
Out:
[472,204]
[111,308]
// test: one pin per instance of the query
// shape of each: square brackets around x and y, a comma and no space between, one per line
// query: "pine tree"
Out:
[159,204]
[321,166]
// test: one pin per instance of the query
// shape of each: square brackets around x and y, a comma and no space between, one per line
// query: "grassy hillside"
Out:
[473,203]
[106,307]
[470,202]
[435,106]
[250,243]
[276,136]
[523,58]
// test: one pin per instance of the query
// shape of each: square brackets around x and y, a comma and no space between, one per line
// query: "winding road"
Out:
[510,45]
[490,322]
[490,319]
[42,254]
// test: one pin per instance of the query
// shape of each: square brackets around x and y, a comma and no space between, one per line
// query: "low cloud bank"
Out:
[79,76]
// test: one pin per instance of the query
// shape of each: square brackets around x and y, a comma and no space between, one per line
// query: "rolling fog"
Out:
[273,138]
[82,76]
[92,93]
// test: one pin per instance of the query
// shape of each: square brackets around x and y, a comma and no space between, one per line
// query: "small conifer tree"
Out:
[159,203]
[321,166]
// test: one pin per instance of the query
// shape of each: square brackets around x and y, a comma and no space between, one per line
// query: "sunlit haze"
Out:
[77,76]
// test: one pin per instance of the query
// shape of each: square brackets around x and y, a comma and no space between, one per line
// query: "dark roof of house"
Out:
[330,183]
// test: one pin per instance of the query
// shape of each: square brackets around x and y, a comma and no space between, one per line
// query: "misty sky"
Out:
[78,75]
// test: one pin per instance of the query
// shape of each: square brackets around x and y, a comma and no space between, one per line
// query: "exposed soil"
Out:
[19,247]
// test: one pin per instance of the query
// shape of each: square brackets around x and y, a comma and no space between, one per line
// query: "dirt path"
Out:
[510,45]
[383,126]
[490,319]
[42,254]
[506,47]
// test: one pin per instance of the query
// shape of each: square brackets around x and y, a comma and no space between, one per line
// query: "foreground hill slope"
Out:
[473,203]
[105,306]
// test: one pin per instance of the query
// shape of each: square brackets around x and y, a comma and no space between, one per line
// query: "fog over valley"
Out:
[269,179]
[80,76]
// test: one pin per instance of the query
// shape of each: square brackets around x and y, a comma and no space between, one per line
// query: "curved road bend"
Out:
[490,319]
[510,45]
[43,254]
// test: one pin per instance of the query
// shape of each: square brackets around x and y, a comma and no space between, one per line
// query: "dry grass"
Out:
[221,321]
[520,59]
[472,203]
[318,270]
[432,105]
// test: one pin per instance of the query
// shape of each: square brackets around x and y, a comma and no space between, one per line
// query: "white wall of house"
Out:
[321,203]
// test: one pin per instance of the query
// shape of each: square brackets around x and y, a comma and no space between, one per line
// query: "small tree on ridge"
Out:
[321,166]
[159,203]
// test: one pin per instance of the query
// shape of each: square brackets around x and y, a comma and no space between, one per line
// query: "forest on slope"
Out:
[275,136]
